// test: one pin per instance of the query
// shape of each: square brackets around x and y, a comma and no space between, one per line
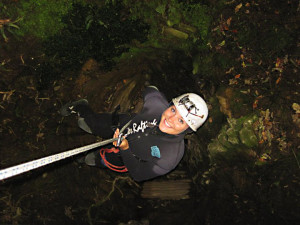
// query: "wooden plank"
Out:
[170,189]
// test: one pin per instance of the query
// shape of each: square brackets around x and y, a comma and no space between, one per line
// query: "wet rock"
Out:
[224,100]
[233,103]
[248,137]
[236,134]
[216,147]
[233,137]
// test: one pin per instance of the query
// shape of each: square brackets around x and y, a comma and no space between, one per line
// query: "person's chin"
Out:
[165,129]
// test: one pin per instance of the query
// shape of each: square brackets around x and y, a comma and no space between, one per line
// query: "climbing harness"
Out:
[120,169]
[24,167]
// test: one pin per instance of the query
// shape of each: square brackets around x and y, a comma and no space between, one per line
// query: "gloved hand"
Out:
[124,144]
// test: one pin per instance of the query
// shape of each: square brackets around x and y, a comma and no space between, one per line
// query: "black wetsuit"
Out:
[151,152]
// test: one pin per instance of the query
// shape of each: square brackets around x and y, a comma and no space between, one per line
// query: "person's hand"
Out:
[124,144]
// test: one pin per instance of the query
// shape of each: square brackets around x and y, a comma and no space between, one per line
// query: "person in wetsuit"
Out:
[154,143]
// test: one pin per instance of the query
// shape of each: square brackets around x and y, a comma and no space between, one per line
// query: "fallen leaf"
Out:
[232,81]
[254,106]
[229,71]
[278,80]
[237,76]
[56,88]
[225,27]
[39,135]
[238,7]
[296,107]
[222,43]
[278,62]
[248,81]
[228,21]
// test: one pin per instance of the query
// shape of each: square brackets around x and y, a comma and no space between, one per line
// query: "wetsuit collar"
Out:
[155,130]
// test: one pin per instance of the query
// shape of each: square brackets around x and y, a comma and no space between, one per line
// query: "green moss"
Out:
[90,31]
[232,135]
[202,64]
[248,137]
[159,14]
[43,18]
[236,136]
[198,16]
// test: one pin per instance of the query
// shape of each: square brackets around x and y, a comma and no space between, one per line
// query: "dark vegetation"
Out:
[242,56]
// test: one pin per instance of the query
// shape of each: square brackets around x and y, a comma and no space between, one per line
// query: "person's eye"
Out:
[181,121]
[172,109]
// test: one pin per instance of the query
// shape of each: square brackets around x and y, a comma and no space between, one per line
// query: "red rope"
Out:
[120,169]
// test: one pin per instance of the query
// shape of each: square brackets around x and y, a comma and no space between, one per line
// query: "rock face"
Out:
[238,134]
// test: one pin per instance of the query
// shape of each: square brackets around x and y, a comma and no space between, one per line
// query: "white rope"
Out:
[22,168]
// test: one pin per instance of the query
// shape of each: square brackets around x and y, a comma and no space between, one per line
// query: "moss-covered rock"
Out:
[233,102]
[187,25]
[232,135]
[236,135]
[248,137]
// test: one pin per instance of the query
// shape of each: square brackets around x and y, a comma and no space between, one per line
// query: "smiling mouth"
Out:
[168,125]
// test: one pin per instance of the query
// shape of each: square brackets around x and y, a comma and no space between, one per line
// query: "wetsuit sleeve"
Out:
[150,90]
[153,97]
[141,170]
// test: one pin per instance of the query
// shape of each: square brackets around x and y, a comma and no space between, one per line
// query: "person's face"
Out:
[172,122]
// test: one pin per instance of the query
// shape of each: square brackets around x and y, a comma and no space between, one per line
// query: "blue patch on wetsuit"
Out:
[155,151]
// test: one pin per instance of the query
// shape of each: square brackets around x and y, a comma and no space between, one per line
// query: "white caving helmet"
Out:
[192,108]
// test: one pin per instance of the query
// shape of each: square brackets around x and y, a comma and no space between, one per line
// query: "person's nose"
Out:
[172,119]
